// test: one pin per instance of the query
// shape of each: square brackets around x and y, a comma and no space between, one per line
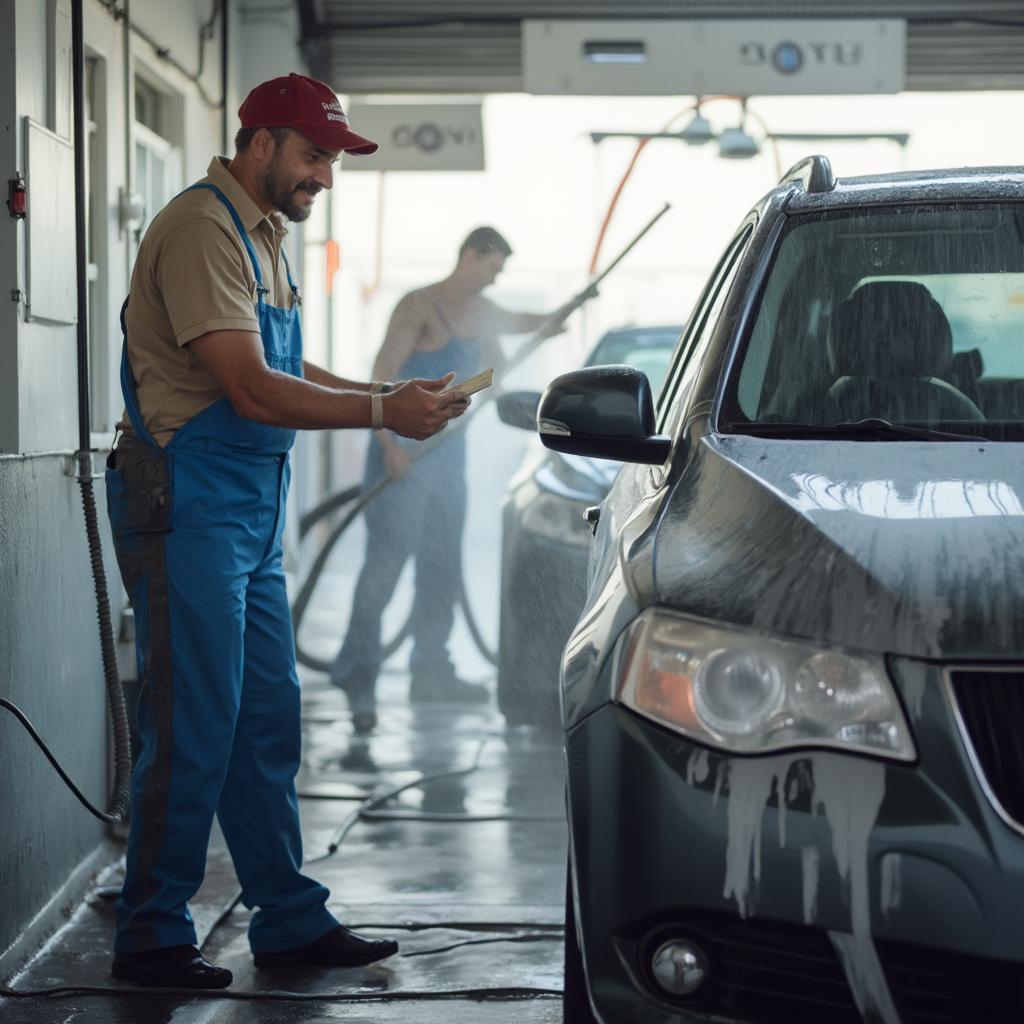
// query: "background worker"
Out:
[215,387]
[450,325]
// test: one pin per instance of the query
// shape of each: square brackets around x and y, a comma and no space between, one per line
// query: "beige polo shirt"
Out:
[193,275]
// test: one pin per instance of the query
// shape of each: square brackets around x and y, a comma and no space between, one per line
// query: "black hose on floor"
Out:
[20,715]
[480,995]
[369,810]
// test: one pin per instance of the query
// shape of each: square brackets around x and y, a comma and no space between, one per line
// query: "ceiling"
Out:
[474,46]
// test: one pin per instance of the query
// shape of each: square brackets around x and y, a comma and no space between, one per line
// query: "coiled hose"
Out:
[111,677]
[357,498]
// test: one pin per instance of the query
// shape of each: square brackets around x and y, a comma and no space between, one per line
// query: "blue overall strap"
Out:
[261,289]
[288,270]
[131,398]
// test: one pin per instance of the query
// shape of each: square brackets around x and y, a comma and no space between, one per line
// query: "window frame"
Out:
[698,334]
[103,416]
[155,146]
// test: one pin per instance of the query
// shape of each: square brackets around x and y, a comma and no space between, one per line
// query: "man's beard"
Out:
[283,197]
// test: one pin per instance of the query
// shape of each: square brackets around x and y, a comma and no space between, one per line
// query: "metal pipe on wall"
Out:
[327,449]
[78,120]
[126,51]
[129,177]
[225,122]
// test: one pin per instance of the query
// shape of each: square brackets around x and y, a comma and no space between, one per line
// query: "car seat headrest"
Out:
[890,329]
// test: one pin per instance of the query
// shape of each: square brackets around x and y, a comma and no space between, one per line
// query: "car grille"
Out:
[991,704]
[931,986]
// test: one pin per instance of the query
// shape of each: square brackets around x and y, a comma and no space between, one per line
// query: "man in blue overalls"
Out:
[449,325]
[215,386]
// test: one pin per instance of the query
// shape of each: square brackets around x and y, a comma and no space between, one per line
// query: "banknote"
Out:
[473,384]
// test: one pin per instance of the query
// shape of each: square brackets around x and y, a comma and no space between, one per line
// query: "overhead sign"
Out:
[763,57]
[419,136]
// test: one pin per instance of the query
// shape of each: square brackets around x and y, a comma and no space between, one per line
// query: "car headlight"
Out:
[558,519]
[750,694]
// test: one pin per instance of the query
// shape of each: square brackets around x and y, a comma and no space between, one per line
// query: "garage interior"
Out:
[446,826]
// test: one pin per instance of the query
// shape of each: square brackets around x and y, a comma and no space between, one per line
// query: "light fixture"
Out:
[631,51]
[698,131]
[737,144]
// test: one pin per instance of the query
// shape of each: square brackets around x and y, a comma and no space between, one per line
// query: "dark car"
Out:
[546,540]
[794,702]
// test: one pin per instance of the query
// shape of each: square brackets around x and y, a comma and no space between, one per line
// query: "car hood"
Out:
[903,548]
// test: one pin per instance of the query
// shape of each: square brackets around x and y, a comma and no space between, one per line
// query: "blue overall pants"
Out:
[421,515]
[197,528]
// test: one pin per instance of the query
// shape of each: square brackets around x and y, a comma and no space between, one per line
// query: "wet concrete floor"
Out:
[466,870]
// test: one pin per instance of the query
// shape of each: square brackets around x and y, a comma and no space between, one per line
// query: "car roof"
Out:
[957,184]
[650,335]
[657,336]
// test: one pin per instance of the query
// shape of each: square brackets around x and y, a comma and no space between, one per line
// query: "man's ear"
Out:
[262,144]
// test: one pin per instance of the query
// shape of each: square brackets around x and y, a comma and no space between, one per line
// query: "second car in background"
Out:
[545,538]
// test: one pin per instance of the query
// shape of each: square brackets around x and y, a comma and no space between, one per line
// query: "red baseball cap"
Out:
[308,106]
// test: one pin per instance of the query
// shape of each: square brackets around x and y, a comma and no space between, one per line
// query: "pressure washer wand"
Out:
[365,496]
[577,301]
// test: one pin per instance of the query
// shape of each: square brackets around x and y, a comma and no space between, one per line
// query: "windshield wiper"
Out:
[872,429]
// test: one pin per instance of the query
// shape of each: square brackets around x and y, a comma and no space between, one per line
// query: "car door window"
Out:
[676,394]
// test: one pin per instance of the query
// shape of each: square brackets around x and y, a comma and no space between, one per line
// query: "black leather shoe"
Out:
[170,967]
[338,948]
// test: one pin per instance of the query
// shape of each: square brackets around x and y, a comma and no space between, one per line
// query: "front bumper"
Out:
[671,839]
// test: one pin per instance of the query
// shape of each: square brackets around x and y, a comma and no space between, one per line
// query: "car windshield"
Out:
[872,322]
[647,349]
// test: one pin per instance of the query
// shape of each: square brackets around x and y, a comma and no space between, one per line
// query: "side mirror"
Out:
[606,412]
[519,409]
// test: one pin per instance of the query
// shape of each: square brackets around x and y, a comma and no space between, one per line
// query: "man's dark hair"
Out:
[483,241]
[244,136]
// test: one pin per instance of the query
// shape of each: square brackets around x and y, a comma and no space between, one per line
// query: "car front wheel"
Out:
[575,1000]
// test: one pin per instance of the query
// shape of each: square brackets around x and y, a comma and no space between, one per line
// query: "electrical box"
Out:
[51,281]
